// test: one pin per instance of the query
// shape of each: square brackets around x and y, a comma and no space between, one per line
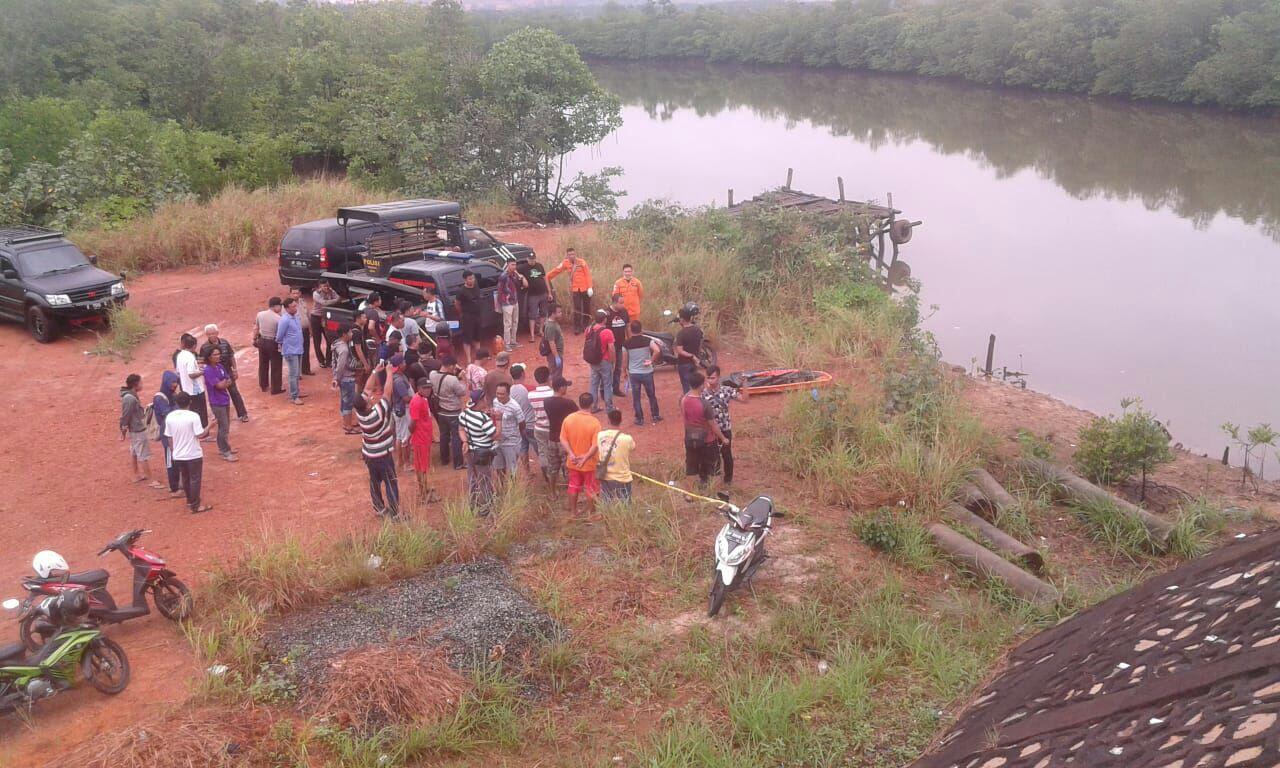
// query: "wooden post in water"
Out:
[991,354]
[840,183]
[730,197]
[788,185]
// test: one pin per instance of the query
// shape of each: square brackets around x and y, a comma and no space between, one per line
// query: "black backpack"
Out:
[591,350]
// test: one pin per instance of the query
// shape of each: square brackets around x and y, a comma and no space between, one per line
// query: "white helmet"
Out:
[48,561]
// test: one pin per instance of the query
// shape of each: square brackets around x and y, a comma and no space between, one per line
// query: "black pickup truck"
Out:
[406,281]
[47,283]
[374,237]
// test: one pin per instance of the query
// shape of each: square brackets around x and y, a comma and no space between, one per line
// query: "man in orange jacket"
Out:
[579,287]
[631,291]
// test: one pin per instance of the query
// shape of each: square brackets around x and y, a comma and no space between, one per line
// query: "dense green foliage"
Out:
[1223,52]
[1115,448]
[108,107]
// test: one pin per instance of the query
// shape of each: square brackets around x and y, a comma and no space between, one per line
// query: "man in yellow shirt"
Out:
[579,287]
[631,291]
[616,447]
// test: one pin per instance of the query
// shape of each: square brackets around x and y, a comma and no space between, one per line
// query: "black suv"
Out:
[323,245]
[46,282]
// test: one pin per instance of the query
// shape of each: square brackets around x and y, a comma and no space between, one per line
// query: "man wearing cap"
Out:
[501,374]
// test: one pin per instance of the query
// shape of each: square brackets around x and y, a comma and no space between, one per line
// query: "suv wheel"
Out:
[42,325]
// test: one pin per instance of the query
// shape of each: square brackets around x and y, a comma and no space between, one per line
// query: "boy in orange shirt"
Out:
[578,439]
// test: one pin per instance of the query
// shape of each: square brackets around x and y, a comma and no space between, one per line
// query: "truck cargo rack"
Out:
[26,234]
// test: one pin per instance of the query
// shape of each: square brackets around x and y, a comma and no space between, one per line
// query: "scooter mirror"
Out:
[11,604]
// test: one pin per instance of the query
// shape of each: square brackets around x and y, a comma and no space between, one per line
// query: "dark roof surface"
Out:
[401,210]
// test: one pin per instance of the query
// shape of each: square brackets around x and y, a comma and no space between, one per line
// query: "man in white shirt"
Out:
[184,428]
[191,376]
[407,327]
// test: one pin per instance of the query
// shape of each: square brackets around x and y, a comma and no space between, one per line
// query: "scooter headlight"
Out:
[737,555]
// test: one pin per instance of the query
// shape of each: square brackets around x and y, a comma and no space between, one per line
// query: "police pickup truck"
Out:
[374,237]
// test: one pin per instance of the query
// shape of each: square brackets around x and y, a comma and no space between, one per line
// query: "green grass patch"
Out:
[1198,523]
[1123,533]
[128,328]
[899,534]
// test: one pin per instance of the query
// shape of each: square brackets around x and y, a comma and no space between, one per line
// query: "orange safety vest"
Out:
[632,292]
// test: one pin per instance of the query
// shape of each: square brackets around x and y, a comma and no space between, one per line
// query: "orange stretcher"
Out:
[778,380]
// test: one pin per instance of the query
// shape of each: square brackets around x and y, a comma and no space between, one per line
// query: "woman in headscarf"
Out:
[161,404]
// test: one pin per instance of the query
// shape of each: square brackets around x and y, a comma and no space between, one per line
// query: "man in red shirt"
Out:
[702,436]
[597,351]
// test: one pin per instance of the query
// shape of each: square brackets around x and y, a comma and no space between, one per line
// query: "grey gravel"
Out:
[469,609]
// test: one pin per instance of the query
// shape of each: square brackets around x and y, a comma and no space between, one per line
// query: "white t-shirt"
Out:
[182,427]
[186,365]
[410,329]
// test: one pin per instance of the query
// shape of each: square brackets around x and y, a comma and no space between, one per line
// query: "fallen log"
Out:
[972,498]
[1082,490]
[997,539]
[989,565]
[997,497]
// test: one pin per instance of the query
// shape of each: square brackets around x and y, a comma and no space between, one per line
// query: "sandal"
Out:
[350,431]
[202,508]
[157,485]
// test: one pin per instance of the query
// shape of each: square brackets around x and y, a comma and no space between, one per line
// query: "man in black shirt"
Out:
[619,320]
[535,296]
[688,346]
[467,300]
[558,406]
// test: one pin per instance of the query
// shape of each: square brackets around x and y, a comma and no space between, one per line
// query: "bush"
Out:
[1114,449]
[897,534]
[128,329]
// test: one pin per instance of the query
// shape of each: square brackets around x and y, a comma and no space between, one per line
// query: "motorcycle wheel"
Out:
[718,592]
[172,598]
[31,639]
[707,355]
[105,666]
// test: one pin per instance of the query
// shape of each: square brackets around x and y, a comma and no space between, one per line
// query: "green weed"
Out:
[1197,523]
[128,329]
[1119,530]
[898,534]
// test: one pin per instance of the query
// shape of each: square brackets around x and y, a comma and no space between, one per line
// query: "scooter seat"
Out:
[94,578]
[759,510]
[12,652]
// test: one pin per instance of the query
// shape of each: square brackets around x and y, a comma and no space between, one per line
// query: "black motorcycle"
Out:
[667,341]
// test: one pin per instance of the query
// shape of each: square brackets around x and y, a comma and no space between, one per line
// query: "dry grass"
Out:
[233,227]
[213,738]
[376,686]
[128,329]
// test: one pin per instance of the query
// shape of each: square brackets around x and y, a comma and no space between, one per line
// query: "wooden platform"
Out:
[790,198]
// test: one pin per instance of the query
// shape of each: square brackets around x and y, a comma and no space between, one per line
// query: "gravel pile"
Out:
[473,610]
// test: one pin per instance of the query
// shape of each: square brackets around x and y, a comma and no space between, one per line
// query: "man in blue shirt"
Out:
[289,337]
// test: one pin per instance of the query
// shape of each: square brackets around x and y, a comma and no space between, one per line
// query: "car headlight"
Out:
[117,289]
[57,299]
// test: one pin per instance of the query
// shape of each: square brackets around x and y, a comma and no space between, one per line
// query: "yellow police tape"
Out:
[678,489]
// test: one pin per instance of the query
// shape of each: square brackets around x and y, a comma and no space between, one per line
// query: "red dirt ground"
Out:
[67,484]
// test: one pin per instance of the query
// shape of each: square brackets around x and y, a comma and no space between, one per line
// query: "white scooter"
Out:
[740,547]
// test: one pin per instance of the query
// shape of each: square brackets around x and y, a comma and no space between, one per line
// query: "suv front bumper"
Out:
[88,310]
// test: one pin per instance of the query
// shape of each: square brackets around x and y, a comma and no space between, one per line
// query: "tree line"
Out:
[108,107]
[1220,52]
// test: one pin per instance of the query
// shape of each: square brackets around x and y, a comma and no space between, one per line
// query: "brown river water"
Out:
[1115,249]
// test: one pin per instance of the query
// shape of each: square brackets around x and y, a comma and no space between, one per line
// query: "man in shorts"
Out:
[508,418]
[558,408]
[345,365]
[578,440]
[702,436]
[422,436]
[133,426]
[469,303]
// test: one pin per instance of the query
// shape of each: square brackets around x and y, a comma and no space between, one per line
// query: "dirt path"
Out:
[66,483]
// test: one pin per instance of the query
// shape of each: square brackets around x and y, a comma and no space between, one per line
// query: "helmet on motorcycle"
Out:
[47,561]
[689,311]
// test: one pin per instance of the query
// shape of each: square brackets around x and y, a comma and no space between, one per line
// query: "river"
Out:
[1115,249]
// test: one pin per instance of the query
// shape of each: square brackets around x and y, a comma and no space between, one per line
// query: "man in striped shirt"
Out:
[377,435]
[478,432]
[541,422]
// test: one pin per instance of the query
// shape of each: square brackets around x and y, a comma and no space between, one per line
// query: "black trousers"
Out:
[581,311]
[270,362]
[726,456]
[200,406]
[617,368]
[382,475]
[450,440]
[191,472]
[306,350]
[237,401]
[317,332]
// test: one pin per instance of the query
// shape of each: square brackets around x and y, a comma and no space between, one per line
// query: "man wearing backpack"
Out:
[597,351]
[134,426]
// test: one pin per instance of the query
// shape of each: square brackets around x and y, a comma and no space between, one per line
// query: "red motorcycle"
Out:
[171,596]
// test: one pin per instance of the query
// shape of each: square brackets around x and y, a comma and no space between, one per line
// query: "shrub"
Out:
[1113,449]
[1197,523]
[897,534]
[128,329]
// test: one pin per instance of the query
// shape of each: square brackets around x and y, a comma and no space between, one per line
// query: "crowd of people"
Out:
[409,382]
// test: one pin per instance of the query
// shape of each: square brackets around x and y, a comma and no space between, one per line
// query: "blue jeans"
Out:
[645,381]
[683,370]
[601,387]
[612,490]
[346,396]
[295,371]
